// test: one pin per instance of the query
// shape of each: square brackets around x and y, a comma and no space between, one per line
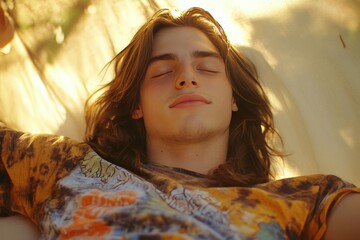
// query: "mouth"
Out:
[189,100]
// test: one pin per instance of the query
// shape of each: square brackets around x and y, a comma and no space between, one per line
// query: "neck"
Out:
[200,157]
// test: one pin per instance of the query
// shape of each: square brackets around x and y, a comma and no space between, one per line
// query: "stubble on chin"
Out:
[191,133]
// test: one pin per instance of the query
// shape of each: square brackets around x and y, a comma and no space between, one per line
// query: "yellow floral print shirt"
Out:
[70,192]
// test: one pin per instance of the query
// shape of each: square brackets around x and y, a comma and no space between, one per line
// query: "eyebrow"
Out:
[195,54]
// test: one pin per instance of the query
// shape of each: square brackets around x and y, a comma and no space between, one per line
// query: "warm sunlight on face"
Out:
[186,95]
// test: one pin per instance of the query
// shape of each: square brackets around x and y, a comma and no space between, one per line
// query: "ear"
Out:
[137,114]
[234,106]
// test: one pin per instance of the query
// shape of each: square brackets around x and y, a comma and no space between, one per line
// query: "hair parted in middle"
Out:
[116,136]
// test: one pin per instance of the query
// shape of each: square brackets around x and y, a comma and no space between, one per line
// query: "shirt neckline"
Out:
[176,169]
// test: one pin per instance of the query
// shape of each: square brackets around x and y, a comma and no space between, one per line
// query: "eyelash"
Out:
[206,70]
[161,74]
[200,69]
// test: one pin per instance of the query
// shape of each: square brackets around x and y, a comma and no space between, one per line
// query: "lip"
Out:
[189,100]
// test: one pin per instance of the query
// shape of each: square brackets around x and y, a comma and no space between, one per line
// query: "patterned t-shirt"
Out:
[70,192]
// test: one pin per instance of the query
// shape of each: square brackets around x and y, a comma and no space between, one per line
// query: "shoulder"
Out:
[343,219]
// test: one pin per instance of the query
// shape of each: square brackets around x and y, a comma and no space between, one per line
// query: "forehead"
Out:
[181,39]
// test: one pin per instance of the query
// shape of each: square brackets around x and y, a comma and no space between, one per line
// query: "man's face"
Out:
[186,95]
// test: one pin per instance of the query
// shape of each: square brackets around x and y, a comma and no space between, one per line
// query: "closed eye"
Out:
[162,74]
[207,70]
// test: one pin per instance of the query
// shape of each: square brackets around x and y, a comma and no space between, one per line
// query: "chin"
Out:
[193,134]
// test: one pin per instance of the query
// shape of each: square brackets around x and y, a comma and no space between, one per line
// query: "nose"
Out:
[186,79]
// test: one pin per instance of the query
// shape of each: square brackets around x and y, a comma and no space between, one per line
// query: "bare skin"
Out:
[6,29]
[2,20]
[186,101]
[344,220]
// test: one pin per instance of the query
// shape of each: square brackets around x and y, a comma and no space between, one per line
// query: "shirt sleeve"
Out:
[331,190]
[30,165]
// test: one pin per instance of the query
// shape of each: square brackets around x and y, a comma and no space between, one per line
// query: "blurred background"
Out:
[307,53]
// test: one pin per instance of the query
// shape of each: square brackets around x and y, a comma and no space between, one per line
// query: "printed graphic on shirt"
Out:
[124,204]
[88,218]
[72,193]
[93,166]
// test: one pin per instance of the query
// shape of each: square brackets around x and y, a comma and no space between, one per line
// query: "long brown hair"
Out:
[117,137]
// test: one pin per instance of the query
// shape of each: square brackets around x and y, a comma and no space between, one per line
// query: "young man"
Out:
[184,127]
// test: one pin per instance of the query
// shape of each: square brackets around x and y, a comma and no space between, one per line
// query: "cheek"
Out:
[224,89]
[227,100]
[152,87]
[151,100]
